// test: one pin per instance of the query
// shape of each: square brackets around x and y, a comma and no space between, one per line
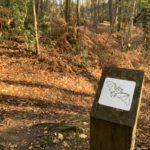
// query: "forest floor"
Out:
[45,101]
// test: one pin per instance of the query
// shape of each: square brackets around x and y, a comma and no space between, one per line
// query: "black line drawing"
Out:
[117,91]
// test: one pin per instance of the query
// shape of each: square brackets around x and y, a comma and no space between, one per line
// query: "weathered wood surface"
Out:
[111,128]
[109,136]
[127,118]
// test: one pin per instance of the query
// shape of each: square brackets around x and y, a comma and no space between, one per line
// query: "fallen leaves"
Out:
[57,87]
[58,137]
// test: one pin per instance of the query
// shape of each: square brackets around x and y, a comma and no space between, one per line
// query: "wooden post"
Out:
[115,110]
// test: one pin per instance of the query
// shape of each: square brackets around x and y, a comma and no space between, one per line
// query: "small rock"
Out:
[83,136]
[55,133]
[30,147]
[45,132]
[60,136]
[55,140]
[65,144]
[85,123]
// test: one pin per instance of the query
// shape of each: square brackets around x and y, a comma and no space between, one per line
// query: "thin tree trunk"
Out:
[116,13]
[35,29]
[130,27]
[100,12]
[78,12]
[119,15]
[111,15]
[67,11]
[42,8]
[95,14]
[38,10]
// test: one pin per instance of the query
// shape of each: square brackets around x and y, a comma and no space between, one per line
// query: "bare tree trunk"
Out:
[38,9]
[78,12]
[119,15]
[116,13]
[95,18]
[67,11]
[130,27]
[100,11]
[42,8]
[111,15]
[35,29]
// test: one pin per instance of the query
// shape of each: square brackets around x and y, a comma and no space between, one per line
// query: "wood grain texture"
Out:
[109,136]
[111,128]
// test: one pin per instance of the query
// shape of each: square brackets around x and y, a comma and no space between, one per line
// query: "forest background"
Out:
[52,53]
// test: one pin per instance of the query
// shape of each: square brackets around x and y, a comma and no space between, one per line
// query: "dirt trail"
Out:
[36,103]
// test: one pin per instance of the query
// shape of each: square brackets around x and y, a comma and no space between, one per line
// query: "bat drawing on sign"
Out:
[117,91]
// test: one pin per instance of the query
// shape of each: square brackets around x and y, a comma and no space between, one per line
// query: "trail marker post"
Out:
[115,109]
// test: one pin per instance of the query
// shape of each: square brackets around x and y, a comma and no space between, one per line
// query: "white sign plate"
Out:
[117,93]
